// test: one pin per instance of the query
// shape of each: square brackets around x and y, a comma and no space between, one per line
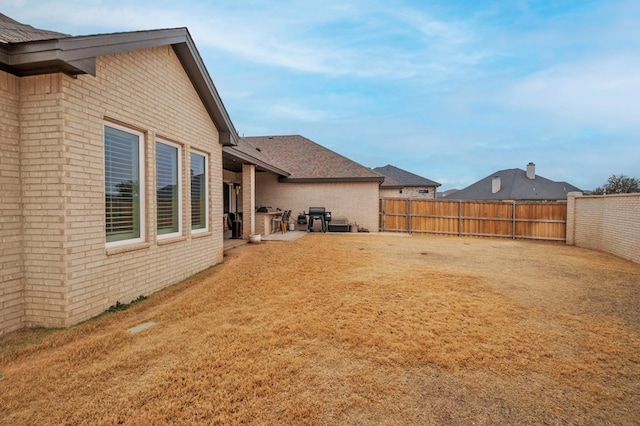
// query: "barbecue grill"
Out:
[319,213]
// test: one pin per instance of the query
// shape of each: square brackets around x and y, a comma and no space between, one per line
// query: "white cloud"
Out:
[366,39]
[362,40]
[601,92]
[292,112]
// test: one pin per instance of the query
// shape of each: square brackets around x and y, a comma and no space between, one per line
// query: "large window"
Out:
[124,185]
[168,199]
[198,191]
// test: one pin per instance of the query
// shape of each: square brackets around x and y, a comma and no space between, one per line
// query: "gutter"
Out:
[230,151]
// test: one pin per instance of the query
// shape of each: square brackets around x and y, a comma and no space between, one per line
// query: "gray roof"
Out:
[304,160]
[30,51]
[246,152]
[515,185]
[12,31]
[398,178]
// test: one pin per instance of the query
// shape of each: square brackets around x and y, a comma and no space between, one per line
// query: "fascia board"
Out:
[246,158]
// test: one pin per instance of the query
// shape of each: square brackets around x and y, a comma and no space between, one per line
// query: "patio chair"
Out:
[276,221]
[285,221]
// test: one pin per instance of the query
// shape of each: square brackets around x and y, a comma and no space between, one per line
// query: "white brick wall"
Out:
[409,193]
[63,273]
[11,273]
[43,192]
[357,201]
[609,223]
[147,90]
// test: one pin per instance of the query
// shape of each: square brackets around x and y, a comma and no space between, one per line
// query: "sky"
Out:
[451,90]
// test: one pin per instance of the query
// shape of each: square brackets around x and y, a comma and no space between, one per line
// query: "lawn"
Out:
[351,329]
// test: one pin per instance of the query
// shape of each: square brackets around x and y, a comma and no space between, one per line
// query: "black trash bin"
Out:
[237,229]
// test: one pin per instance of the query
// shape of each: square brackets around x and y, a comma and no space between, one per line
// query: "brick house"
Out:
[515,184]
[110,165]
[294,173]
[399,183]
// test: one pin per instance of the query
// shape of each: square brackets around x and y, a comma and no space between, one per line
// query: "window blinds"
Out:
[122,181]
[198,191]
[167,189]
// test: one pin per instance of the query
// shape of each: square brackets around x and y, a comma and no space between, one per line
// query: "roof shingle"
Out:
[515,185]
[396,177]
[306,160]
[12,31]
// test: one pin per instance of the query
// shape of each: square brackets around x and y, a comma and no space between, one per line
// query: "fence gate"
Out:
[509,219]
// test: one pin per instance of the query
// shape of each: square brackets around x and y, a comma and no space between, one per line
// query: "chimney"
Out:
[531,171]
[495,184]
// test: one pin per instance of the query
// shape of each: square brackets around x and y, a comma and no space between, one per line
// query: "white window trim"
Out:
[180,189]
[142,186]
[206,193]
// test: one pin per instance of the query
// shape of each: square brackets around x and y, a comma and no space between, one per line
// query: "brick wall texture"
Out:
[356,201]
[56,270]
[11,272]
[609,223]
[412,193]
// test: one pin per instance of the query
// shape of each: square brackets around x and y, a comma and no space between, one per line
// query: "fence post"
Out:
[382,215]
[513,221]
[459,217]
[570,224]
[409,215]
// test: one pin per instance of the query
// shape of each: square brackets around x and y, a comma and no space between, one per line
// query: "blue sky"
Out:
[450,90]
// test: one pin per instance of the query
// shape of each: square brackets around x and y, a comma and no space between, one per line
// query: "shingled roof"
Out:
[233,157]
[515,185]
[395,177]
[305,160]
[12,31]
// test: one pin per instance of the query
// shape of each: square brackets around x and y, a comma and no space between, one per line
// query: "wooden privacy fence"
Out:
[538,221]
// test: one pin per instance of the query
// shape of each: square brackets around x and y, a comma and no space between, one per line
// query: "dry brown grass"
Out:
[368,330]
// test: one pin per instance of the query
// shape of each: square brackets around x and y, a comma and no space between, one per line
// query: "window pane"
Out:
[122,184]
[198,192]
[167,189]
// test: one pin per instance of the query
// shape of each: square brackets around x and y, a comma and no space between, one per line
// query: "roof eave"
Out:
[46,58]
[67,54]
[230,152]
[193,64]
[77,55]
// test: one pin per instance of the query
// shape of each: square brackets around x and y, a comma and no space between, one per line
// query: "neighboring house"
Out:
[448,193]
[110,170]
[400,183]
[515,184]
[295,173]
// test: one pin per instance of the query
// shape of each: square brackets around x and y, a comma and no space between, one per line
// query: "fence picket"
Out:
[540,221]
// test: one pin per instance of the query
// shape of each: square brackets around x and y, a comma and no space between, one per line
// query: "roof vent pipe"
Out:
[495,184]
[531,171]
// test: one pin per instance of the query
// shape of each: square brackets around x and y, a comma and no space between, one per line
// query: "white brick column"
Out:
[248,200]
[571,217]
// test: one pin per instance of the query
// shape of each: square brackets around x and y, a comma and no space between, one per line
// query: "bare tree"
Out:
[618,184]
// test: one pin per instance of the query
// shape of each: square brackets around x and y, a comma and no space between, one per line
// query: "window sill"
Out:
[165,241]
[125,249]
[201,234]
